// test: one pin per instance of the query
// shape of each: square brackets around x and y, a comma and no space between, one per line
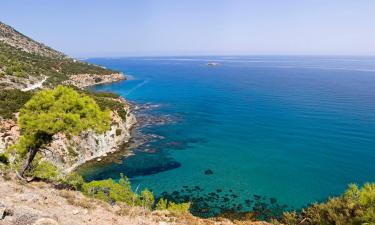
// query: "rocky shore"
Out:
[86,80]
[68,153]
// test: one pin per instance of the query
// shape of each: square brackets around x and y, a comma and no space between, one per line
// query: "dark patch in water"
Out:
[208,172]
[208,204]
[140,164]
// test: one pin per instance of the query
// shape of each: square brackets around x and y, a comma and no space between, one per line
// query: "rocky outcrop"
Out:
[70,152]
[9,133]
[85,80]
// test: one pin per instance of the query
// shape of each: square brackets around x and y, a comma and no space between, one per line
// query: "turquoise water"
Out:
[277,132]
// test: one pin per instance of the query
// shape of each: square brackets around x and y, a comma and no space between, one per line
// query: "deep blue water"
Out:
[293,129]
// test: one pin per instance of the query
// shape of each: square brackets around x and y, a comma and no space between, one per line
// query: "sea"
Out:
[251,133]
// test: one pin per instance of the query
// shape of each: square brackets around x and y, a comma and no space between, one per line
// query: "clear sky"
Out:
[196,27]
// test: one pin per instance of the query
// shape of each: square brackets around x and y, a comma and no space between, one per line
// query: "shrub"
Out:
[118,132]
[162,204]
[111,191]
[172,207]
[147,199]
[355,206]
[4,158]
[46,171]
[179,208]
[74,180]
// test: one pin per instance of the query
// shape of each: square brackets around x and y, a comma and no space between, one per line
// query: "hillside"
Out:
[41,203]
[25,64]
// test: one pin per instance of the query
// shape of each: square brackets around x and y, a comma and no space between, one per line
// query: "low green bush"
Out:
[46,171]
[73,180]
[163,204]
[111,191]
[355,206]
[4,158]
[147,199]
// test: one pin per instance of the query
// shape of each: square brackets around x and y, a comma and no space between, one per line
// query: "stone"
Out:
[45,221]
[75,212]
[2,212]
[208,172]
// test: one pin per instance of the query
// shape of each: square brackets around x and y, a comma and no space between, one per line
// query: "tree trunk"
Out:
[29,158]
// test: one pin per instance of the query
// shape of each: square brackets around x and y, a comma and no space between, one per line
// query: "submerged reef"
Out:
[224,201]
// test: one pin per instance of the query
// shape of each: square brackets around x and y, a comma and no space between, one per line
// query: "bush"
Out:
[172,207]
[111,191]
[4,158]
[74,180]
[179,208]
[147,199]
[162,204]
[46,171]
[355,206]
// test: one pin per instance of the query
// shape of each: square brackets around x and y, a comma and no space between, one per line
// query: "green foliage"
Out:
[105,94]
[147,199]
[46,171]
[162,204]
[109,103]
[111,191]
[11,102]
[4,158]
[172,207]
[355,206]
[15,62]
[62,110]
[118,132]
[179,207]
[74,180]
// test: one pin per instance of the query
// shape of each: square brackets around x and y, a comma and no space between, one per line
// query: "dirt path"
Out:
[34,86]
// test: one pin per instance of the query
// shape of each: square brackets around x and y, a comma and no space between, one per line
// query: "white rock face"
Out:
[85,80]
[70,152]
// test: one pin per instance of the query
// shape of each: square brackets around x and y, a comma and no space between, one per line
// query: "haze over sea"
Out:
[291,129]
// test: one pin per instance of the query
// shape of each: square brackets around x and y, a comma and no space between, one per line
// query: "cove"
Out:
[274,132]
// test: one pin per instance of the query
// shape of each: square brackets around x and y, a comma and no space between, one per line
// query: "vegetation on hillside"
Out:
[108,101]
[61,110]
[18,63]
[11,102]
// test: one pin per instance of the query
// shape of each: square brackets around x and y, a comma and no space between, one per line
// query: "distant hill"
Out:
[25,62]
[10,36]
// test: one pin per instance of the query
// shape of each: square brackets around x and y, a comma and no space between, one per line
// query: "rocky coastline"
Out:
[68,153]
[87,80]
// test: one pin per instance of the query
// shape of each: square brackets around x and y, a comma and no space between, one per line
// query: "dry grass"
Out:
[75,200]
[71,207]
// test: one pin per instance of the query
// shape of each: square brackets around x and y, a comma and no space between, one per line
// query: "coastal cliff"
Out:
[69,153]
[28,65]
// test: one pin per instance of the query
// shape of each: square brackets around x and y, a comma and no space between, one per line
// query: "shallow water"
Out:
[289,130]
